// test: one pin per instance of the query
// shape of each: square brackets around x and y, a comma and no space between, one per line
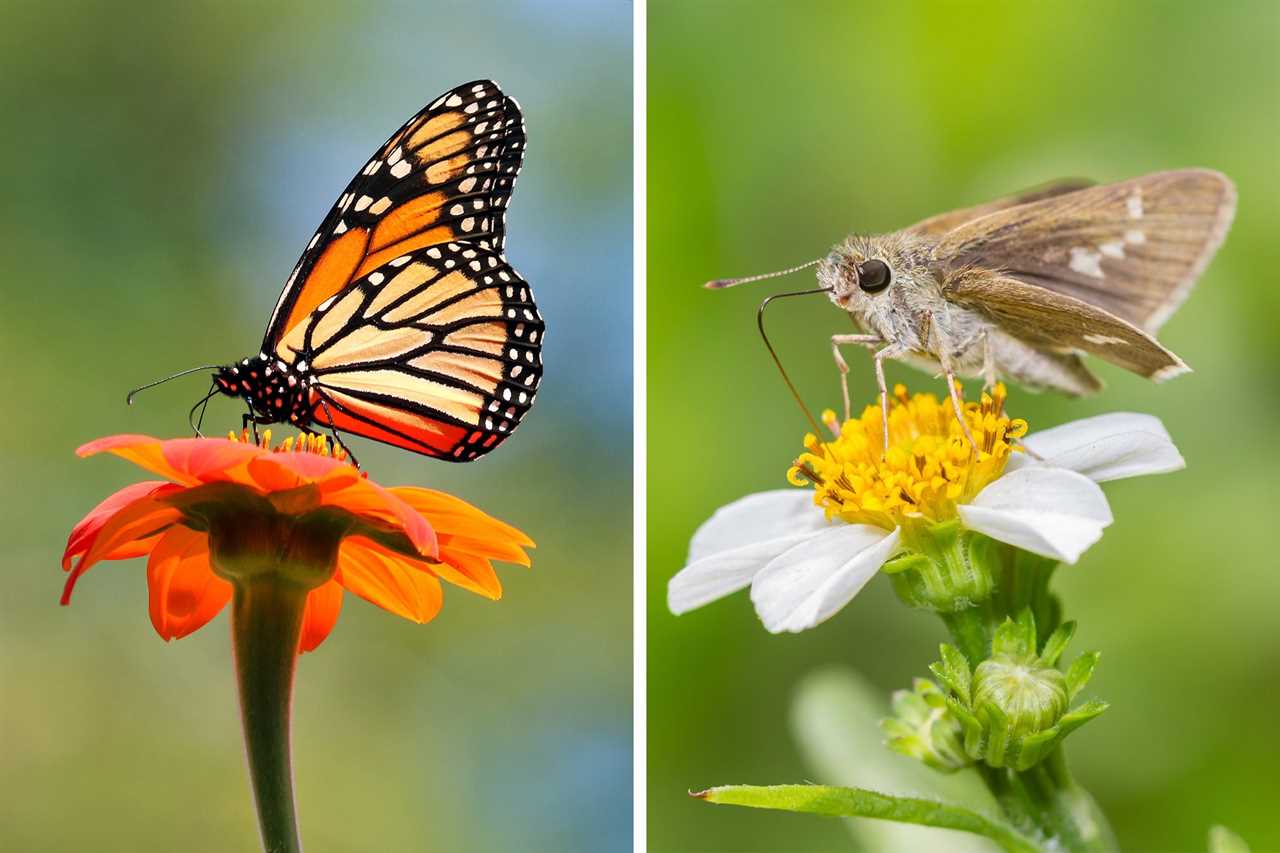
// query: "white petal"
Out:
[757,518]
[1052,512]
[809,583]
[726,571]
[1106,447]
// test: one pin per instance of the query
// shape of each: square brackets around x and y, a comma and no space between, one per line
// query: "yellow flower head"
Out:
[928,468]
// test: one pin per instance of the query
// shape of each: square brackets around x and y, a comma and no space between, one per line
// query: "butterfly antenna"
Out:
[203,401]
[765,337]
[722,283]
[129,399]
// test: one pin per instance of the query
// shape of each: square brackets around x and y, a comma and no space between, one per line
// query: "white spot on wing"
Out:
[1134,203]
[1103,340]
[1086,262]
[1112,250]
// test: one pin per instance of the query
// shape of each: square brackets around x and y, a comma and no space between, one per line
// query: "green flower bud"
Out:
[1012,708]
[923,728]
[1029,698]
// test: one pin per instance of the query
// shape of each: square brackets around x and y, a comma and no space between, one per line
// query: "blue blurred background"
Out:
[166,163]
[775,130]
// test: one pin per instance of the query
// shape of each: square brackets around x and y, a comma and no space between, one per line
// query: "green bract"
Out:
[1012,707]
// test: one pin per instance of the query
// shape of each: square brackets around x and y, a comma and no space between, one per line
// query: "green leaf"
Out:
[1223,840]
[859,802]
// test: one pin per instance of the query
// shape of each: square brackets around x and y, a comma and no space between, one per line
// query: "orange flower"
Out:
[229,509]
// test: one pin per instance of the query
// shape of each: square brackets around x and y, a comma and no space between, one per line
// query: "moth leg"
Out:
[869,341]
[943,355]
[891,351]
[988,363]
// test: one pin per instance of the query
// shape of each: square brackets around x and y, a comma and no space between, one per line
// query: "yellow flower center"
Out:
[927,469]
[306,442]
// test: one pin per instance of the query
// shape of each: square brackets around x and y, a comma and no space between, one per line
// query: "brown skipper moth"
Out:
[1021,287]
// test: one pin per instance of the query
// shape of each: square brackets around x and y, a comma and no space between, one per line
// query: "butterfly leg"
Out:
[333,431]
[870,341]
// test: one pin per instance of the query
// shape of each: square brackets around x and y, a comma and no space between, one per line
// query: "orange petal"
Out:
[213,460]
[455,515]
[184,592]
[388,580]
[364,497]
[83,534]
[323,605]
[277,472]
[141,450]
[469,571]
[139,520]
[492,548]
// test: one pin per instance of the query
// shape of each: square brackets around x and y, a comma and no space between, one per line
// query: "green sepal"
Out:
[1057,644]
[953,671]
[1080,671]
[945,568]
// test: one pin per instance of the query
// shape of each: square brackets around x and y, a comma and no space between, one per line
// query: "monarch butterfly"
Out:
[402,321]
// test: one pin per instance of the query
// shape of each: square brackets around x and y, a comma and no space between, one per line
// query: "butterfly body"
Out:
[402,321]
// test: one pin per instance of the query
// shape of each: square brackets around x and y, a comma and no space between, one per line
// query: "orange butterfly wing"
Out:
[412,327]
[437,351]
[447,174]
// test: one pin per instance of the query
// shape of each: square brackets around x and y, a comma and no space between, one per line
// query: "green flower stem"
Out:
[971,629]
[1045,800]
[266,622]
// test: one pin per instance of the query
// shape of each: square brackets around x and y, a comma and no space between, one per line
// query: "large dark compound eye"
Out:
[874,276]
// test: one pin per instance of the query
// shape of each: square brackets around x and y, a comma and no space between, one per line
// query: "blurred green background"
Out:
[775,130]
[165,165]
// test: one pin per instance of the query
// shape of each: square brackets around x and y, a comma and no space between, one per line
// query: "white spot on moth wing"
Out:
[1103,340]
[453,101]
[401,261]
[1134,237]
[1114,249]
[363,202]
[376,278]
[1134,203]
[395,156]
[1086,262]
[341,229]
[401,169]
[380,206]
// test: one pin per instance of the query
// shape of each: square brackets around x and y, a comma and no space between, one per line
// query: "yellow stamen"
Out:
[928,468]
[304,443]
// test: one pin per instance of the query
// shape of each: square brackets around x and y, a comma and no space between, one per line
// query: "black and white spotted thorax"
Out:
[275,390]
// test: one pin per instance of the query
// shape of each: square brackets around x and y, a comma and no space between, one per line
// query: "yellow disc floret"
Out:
[927,469]
[307,442]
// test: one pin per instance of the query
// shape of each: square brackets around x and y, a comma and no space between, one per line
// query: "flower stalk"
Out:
[266,623]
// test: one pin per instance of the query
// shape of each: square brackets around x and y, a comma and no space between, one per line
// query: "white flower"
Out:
[803,562]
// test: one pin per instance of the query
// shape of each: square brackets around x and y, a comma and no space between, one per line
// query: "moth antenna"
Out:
[722,283]
[777,361]
[129,399]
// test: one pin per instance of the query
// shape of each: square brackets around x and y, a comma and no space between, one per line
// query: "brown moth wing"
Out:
[936,226]
[1055,321]
[1132,248]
